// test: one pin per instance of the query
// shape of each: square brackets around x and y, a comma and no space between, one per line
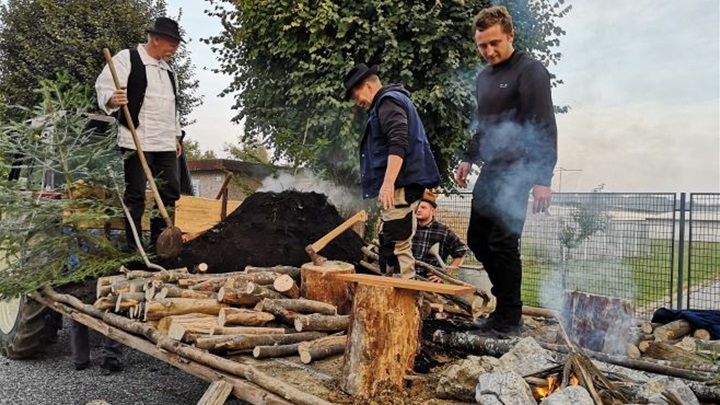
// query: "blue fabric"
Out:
[699,318]
[419,165]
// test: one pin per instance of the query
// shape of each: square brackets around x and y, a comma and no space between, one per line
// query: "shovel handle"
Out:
[322,242]
[136,140]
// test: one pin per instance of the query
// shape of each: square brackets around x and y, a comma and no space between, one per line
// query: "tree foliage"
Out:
[40,39]
[288,59]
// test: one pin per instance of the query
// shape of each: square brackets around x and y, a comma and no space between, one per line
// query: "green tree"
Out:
[288,58]
[40,39]
[193,151]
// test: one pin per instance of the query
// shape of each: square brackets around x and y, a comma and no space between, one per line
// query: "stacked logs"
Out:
[258,311]
[677,342]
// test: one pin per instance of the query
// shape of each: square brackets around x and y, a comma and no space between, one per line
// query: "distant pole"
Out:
[561,170]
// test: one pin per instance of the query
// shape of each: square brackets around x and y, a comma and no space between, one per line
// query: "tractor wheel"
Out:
[24,327]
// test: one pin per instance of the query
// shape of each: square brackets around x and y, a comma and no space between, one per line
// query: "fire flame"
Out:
[553,384]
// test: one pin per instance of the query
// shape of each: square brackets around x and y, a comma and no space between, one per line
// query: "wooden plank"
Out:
[217,393]
[368,279]
[195,214]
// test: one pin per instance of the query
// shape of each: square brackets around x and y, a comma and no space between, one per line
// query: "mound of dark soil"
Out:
[271,229]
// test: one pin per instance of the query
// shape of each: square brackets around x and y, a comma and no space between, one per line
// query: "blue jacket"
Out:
[419,165]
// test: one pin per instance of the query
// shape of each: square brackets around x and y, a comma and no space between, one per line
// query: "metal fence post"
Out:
[681,252]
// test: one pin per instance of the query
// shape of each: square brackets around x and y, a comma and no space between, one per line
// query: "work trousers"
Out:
[499,206]
[164,168]
[80,344]
[397,230]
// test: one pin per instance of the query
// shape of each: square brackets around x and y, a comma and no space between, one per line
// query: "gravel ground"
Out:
[52,380]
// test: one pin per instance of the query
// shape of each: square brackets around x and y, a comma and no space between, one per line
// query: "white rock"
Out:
[653,389]
[573,395]
[503,387]
[460,379]
[527,358]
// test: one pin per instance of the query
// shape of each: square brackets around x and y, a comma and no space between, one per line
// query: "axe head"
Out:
[314,256]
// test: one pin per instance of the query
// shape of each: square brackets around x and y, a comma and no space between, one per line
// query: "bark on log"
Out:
[174,292]
[132,274]
[293,272]
[318,284]
[286,286]
[104,284]
[163,325]
[321,348]
[596,321]
[263,352]
[172,276]
[245,342]
[380,314]
[179,331]
[118,326]
[261,291]
[157,309]
[237,297]
[243,317]
[127,300]
[248,330]
[322,323]
[664,351]
[217,393]
[474,344]
[282,314]
[672,330]
[106,302]
[304,306]
[134,285]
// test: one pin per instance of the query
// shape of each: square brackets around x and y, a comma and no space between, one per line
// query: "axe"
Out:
[312,250]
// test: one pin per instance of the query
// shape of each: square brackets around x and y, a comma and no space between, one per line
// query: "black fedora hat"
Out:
[356,76]
[166,27]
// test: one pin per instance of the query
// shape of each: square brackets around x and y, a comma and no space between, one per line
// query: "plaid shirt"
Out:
[435,232]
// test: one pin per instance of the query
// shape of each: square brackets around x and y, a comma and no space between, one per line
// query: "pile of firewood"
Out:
[258,310]
[677,341]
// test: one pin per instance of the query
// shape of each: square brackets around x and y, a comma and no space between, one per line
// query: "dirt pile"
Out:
[271,229]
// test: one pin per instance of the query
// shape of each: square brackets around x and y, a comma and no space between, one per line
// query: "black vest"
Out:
[136,86]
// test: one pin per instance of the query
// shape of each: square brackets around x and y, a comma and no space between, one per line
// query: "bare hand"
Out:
[119,98]
[387,196]
[461,174]
[434,279]
[541,198]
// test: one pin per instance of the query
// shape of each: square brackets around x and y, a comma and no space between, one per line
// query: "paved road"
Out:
[53,380]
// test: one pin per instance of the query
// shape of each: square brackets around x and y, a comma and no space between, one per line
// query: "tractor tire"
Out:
[24,328]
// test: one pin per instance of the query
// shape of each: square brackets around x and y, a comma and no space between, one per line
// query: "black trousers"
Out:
[164,168]
[499,206]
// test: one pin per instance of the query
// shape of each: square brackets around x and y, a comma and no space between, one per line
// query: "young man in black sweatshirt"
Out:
[516,142]
[396,164]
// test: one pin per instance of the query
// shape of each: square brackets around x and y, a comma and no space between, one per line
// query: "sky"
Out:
[642,79]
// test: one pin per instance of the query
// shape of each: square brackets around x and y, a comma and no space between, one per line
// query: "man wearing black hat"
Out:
[396,163]
[149,88]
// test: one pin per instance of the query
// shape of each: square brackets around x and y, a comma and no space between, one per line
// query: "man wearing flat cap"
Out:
[396,163]
[149,88]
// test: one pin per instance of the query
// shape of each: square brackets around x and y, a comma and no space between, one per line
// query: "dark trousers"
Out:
[80,344]
[164,168]
[499,206]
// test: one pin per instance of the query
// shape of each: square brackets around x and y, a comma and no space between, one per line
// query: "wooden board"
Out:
[195,214]
[406,284]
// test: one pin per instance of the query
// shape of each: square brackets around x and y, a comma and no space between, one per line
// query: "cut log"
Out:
[217,393]
[127,300]
[702,334]
[172,276]
[647,327]
[382,340]
[175,292]
[104,284]
[633,351]
[245,342]
[132,274]
[322,323]
[163,325]
[665,351]
[263,352]
[318,283]
[157,309]
[321,348]
[473,343]
[598,322]
[248,330]
[280,312]
[134,285]
[689,344]
[261,291]
[237,297]
[304,306]
[243,317]
[293,272]
[201,268]
[644,345]
[106,302]
[179,331]
[286,286]
[672,330]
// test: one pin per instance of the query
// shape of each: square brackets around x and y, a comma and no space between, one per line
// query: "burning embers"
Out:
[552,384]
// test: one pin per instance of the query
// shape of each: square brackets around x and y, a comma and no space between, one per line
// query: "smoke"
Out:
[345,199]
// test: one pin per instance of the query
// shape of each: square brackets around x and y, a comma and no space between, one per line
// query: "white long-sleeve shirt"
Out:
[159,124]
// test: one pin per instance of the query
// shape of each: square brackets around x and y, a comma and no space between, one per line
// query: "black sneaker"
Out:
[111,365]
[496,324]
[82,366]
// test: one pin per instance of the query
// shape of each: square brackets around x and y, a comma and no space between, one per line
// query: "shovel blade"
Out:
[169,243]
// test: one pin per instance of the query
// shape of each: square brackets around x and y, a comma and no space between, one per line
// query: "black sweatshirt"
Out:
[516,119]
[393,120]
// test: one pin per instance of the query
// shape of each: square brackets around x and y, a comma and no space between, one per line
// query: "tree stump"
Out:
[599,323]
[383,338]
[317,283]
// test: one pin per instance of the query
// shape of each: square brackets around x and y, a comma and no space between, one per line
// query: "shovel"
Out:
[170,240]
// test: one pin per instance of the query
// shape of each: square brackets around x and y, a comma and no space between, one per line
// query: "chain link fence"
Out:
[623,245]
